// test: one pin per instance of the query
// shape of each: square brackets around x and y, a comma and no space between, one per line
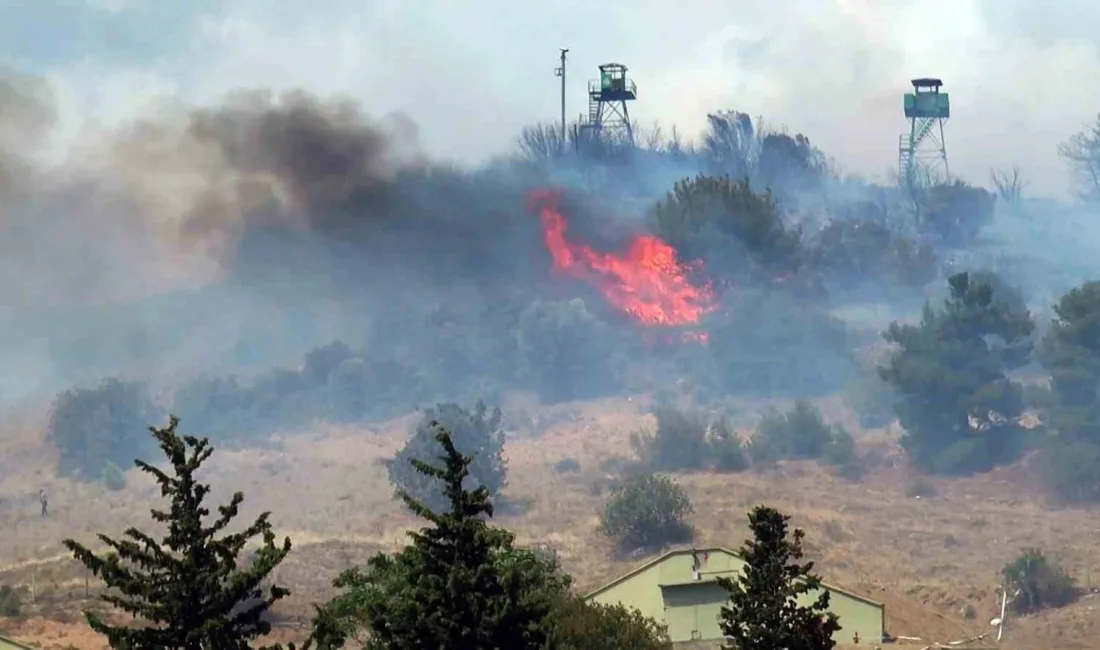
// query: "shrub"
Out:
[727,450]
[581,625]
[800,434]
[647,511]
[1072,470]
[861,250]
[113,478]
[737,232]
[10,606]
[565,351]
[872,399]
[1038,583]
[955,212]
[768,342]
[679,443]
[841,455]
[567,465]
[475,433]
[94,426]
[685,441]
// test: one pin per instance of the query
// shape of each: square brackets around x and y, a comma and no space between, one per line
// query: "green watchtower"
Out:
[608,114]
[927,109]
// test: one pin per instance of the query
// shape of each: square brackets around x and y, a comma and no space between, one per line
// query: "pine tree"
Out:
[763,611]
[460,584]
[187,591]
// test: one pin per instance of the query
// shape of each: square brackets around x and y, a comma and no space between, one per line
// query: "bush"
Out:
[581,625]
[565,351]
[800,434]
[567,466]
[94,426]
[955,212]
[647,511]
[727,450]
[679,443]
[1072,470]
[1041,583]
[475,433]
[10,606]
[859,251]
[841,455]
[872,399]
[685,441]
[767,342]
[737,232]
[113,478]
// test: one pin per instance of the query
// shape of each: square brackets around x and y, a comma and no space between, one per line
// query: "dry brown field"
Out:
[928,559]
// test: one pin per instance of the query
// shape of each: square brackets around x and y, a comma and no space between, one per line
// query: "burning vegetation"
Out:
[647,282]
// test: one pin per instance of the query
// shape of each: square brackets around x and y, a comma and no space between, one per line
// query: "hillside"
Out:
[927,558]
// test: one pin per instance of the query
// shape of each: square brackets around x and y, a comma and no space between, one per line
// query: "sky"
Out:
[1022,73]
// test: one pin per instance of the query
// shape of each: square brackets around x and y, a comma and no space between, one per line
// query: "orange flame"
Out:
[647,282]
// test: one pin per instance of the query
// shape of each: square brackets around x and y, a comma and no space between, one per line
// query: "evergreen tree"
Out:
[763,611]
[187,590]
[459,584]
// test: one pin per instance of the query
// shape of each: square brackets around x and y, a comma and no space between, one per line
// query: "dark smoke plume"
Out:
[275,208]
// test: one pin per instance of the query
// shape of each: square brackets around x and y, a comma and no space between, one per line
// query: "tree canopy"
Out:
[763,612]
[188,590]
[959,409]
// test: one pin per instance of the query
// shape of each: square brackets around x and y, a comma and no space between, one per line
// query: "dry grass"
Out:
[926,558]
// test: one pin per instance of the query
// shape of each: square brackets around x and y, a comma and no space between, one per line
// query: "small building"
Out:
[680,589]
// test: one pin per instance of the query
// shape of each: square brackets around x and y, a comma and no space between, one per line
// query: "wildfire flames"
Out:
[646,282]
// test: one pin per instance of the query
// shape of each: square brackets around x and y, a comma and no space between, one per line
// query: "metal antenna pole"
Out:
[560,72]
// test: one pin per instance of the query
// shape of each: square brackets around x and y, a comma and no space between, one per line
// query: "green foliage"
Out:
[474,433]
[860,250]
[685,440]
[565,351]
[335,383]
[579,625]
[1040,582]
[186,591]
[788,163]
[460,584]
[567,465]
[763,612]
[647,511]
[766,342]
[679,443]
[956,403]
[1071,469]
[872,399]
[735,231]
[94,426]
[113,478]
[727,451]
[10,605]
[1070,350]
[841,455]
[955,212]
[799,434]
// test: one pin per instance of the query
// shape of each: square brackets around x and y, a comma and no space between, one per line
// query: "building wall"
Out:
[668,592]
[8,644]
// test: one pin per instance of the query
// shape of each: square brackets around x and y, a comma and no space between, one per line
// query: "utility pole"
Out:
[560,72]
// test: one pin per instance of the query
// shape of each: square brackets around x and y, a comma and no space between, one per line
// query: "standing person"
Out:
[42,500]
